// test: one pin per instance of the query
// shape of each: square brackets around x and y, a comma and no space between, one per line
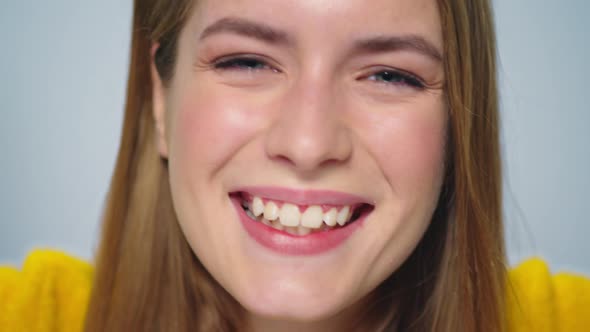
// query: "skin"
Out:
[310,114]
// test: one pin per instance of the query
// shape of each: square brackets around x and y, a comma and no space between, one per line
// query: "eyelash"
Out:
[397,77]
[241,63]
[388,76]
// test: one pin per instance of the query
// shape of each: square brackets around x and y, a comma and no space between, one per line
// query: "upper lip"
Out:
[305,196]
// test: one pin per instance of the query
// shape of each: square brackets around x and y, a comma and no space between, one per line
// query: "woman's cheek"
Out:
[410,149]
[210,129]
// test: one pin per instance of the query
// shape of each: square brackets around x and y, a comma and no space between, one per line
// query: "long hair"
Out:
[148,279]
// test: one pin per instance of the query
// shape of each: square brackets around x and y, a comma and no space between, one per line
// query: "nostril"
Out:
[283,160]
[309,144]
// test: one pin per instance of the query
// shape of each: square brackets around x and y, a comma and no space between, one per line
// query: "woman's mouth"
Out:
[300,220]
[299,226]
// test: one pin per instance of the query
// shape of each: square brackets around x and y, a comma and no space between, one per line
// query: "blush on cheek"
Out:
[208,131]
[411,153]
[424,145]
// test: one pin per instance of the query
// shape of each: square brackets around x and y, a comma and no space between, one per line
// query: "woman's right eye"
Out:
[242,63]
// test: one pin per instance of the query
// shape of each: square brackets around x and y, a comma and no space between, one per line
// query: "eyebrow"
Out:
[266,33]
[397,43]
[247,28]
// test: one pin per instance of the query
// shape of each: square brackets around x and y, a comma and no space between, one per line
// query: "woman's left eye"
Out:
[395,77]
[242,63]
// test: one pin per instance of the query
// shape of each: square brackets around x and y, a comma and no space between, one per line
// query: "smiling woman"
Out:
[307,166]
[301,170]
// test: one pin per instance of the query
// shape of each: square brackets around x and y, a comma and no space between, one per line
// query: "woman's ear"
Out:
[158,104]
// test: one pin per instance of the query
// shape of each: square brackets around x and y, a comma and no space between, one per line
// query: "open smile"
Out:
[299,223]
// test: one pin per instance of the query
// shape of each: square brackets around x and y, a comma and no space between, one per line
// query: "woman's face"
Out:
[300,110]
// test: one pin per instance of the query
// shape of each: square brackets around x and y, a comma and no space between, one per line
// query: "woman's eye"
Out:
[242,63]
[396,78]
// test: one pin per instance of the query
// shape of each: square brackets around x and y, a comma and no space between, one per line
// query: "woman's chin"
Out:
[288,302]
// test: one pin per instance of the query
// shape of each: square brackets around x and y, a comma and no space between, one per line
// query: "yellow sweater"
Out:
[51,293]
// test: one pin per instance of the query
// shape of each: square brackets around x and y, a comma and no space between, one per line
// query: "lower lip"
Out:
[285,243]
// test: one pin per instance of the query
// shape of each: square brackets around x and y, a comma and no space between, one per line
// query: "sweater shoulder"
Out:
[538,300]
[49,293]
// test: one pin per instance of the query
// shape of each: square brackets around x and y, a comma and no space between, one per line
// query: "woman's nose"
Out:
[309,132]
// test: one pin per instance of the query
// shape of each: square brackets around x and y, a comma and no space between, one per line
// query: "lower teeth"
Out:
[250,214]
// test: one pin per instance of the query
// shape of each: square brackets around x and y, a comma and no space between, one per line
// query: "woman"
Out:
[308,165]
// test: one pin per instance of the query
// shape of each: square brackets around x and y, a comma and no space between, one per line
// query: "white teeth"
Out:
[303,230]
[342,216]
[249,213]
[289,215]
[288,218]
[271,211]
[312,217]
[257,206]
[277,225]
[330,217]
[292,230]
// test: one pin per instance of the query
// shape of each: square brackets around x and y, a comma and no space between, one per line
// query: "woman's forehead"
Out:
[328,18]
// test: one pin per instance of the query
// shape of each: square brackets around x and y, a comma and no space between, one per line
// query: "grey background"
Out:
[63,67]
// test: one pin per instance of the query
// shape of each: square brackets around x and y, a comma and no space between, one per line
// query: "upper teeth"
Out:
[289,215]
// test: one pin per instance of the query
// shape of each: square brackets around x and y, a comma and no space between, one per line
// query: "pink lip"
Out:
[305,197]
[285,243]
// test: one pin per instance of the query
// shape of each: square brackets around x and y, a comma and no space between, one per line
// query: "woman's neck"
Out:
[263,324]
